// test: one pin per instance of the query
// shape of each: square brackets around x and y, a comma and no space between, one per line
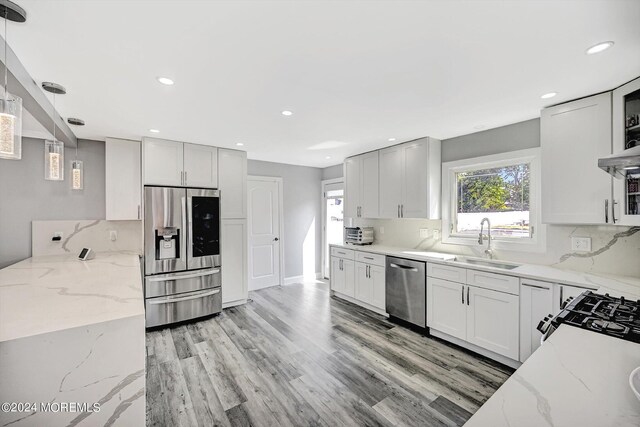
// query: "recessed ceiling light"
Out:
[287,113]
[239,144]
[328,157]
[165,81]
[599,47]
[391,139]
[548,95]
[154,131]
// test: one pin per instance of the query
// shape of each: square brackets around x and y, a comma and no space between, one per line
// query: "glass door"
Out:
[333,220]
[203,213]
[626,135]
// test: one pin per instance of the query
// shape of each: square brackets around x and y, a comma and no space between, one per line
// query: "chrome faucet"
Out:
[481,237]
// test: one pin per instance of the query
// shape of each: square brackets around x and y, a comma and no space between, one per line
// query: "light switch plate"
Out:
[436,234]
[113,235]
[59,234]
[424,233]
[581,244]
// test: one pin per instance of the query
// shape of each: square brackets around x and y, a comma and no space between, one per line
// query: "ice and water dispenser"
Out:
[167,243]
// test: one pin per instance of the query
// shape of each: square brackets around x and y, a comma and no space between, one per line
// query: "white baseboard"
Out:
[263,287]
[301,279]
[487,353]
[234,303]
[360,303]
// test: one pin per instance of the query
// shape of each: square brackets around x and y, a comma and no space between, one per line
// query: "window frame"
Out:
[536,243]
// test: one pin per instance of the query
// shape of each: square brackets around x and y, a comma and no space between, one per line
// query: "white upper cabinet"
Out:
[573,137]
[361,177]
[352,177]
[410,177]
[163,162]
[179,164]
[123,192]
[232,182]
[391,165]
[200,166]
[626,106]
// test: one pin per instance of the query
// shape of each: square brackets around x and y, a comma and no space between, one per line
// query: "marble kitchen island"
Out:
[72,334]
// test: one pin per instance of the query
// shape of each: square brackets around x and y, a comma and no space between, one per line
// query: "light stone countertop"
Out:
[57,292]
[576,378]
[615,285]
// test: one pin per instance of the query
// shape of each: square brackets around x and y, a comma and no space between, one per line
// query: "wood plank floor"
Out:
[294,356]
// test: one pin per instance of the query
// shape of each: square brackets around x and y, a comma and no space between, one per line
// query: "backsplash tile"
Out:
[78,234]
[615,250]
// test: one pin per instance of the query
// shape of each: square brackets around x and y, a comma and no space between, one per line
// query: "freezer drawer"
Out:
[406,288]
[186,306]
[176,283]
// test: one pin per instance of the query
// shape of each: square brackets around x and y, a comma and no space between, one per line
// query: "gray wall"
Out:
[517,136]
[332,172]
[25,195]
[302,207]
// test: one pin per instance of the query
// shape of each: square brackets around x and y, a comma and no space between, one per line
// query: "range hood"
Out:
[618,164]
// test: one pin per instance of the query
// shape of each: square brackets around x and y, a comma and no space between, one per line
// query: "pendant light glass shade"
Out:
[10,126]
[54,161]
[77,175]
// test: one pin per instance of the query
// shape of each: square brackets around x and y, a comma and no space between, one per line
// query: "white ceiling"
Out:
[354,73]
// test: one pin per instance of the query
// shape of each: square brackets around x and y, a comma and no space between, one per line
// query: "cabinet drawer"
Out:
[342,253]
[496,282]
[373,259]
[447,272]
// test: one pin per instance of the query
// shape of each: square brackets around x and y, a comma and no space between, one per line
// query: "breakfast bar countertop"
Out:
[56,292]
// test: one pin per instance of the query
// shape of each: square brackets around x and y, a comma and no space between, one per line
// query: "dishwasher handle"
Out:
[402,267]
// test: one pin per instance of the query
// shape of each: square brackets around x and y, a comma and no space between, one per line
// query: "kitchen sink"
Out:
[488,263]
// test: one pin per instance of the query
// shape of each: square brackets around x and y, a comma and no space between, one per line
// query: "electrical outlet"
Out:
[381,230]
[581,244]
[113,235]
[58,236]
[436,234]
[424,233]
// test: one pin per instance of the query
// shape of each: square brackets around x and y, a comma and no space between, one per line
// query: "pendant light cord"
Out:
[6,66]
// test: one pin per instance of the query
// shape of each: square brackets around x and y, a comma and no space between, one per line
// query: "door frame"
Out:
[323,184]
[279,181]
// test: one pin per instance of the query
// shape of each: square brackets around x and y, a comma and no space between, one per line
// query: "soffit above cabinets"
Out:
[354,74]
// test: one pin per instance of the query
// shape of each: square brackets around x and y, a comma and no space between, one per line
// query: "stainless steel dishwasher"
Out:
[406,290]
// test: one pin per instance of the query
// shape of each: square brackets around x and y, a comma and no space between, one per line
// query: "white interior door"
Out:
[264,232]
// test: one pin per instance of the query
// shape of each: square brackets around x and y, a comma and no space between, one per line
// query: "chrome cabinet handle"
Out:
[561,293]
[181,177]
[401,211]
[606,211]
[467,295]
[402,267]
[613,210]
[367,257]
[462,294]
[398,211]
[185,177]
[190,297]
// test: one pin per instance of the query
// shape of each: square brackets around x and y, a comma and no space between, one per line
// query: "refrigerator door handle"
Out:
[183,237]
[153,301]
[165,278]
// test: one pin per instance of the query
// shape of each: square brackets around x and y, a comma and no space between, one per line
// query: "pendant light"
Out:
[77,169]
[10,105]
[54,149]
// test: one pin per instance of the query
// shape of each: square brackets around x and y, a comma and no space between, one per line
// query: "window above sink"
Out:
[505,188]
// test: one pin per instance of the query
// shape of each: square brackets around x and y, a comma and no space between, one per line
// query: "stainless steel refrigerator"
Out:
[181,254]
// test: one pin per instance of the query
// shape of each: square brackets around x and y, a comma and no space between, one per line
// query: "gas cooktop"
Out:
[617,317]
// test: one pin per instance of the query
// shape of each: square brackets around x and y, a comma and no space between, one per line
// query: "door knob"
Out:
[276,239]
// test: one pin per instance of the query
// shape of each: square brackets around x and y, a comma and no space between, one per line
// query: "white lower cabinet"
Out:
[370,285]
[233,250]
[536,302]
[446,308]
[343,276]
[492,321]
[479,315]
